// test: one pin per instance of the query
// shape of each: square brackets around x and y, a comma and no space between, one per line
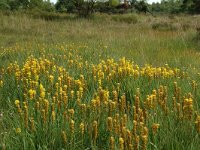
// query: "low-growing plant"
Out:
[186,26]
[127,18]
[198,34]
[164,26]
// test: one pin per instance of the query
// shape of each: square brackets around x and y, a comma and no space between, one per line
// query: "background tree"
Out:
[187,5]
[196,6]
[113,3]
[65,6]
[141,6]
[84,8]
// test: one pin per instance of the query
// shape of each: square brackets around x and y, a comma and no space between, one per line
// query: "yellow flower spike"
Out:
[174,104]
[137,104]
[32,93]
[72,127]
[155,128]
[18,130]
[144,139]
[72,94]
[81,92]
[51,78]
[64,136]
[1,83]
[32,125]
[123,132]
[95,130]
[37,105]
[36,77]
[188,108]
[121,143]
[197,123]
[17,103]
[112,143]
[135,125]
[99,83]
[82,128]
[46,104]
[65,87]
[130,147]
[53,116]
[71,112]
[43,116]
[109,124]
[124,120]
[42,94]
[129,137]
[145,131]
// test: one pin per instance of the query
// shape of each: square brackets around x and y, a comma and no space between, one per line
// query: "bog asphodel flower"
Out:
[42,91]
[17,103]
[197,123]
[155,127]
[64,136]
[137,141]
[144,139]
[82,128]
[109,123]
[95,130]
[18,130]
[32,93]
[53,115]
[32,125]
[112,143]
[121,143]
[72,126]
[51,78]
[1,83]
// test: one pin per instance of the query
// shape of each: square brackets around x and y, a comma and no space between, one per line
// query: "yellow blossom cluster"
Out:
[118,102]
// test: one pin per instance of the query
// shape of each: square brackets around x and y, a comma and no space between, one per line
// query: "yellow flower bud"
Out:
[18,130]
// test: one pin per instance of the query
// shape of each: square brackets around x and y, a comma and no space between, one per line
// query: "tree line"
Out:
[87,7]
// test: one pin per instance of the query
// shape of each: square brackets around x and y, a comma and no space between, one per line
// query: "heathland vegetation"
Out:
[99,75]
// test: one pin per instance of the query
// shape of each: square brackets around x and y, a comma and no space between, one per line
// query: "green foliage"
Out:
[84,8]
[41,5]
[27,5]
[170,6]
[4,5]
[196,6]
[65,6]
[81,7]
[141,6]
[114,3]
[186,5]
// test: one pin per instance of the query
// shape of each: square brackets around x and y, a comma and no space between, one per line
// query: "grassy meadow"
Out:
[107,82]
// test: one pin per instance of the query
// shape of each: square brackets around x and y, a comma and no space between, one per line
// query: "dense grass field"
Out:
[108,82]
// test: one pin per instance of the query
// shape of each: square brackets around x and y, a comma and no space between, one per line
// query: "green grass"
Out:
[79,46]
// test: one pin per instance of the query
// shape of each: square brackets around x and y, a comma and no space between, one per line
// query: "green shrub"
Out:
[128,18]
